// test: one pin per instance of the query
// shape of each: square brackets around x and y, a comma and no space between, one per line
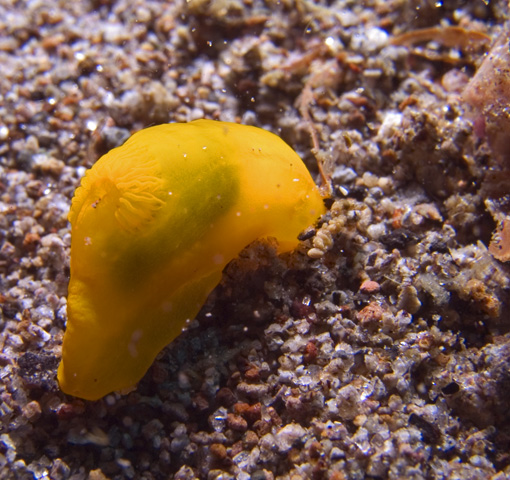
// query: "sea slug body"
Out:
[154,223]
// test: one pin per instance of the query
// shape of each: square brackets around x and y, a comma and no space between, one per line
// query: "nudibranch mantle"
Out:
[153,224]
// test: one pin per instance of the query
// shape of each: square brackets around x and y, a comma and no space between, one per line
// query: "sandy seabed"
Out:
[378,349]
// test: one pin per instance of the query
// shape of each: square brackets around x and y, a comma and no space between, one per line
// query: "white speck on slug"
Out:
[132,346]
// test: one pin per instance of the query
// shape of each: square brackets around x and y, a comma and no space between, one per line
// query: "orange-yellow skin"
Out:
[154,223]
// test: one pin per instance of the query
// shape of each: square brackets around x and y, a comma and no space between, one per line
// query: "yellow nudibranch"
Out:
[153,224]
